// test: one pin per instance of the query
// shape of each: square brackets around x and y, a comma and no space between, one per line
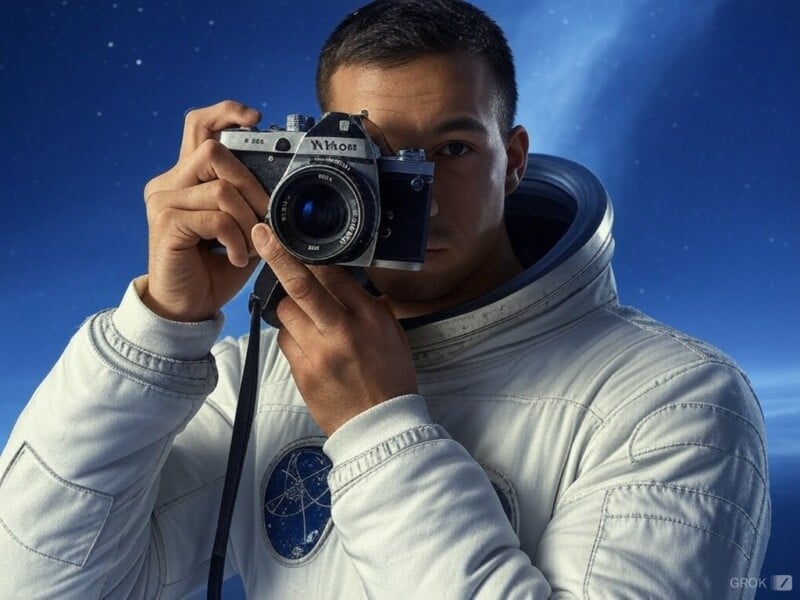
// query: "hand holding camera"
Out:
[208,194]
[346,350]
[336,200]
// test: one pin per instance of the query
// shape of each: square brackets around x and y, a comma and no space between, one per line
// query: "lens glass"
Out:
[319,213]
[324,213]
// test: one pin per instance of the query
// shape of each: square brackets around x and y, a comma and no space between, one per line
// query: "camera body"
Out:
[334,199]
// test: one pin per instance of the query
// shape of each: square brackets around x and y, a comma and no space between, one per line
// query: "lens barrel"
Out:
[324,213]
[319,213]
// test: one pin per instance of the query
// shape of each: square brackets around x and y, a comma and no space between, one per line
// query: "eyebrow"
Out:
[461,124]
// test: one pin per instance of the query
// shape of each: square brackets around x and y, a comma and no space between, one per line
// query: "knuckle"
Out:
[150,188]
[195,116]
[151,195]
[219,221]
[230,106]
[220,189]
[335,356]
[274,254]
[199,117]
[210,149]
[163,219]
[191,118]
[153,205]
[287,311]
[327,362]
[298,287]
[345,344]
[157,184]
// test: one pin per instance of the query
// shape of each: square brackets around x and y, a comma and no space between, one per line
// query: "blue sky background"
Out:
[688,111]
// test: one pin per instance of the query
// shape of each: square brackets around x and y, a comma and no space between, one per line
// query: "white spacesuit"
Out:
[562,446]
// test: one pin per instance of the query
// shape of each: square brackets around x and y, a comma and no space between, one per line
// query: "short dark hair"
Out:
[390,33]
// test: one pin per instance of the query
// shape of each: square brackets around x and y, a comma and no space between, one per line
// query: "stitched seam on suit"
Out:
[161,509]
[596,546]
[130,350]
[516,399]
[100,355]
[666,486]
[602,527]
[41,464]
[421,430]
[654,382]
[707,447]
[758,535]
[354,468]
[141,382]
[702,406]
[663,519]
[657,330]
[376,469]
[282,408]
[633,456]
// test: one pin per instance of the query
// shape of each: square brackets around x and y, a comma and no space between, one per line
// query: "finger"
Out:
[293,320]
[298,281]
[341,284]
[290,348]
[203,124]
[190,226]
[213,161]
[215,195]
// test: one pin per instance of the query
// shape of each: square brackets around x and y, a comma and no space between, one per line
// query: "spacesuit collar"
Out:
[559,221]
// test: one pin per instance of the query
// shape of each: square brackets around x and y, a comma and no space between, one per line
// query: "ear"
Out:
[517,153]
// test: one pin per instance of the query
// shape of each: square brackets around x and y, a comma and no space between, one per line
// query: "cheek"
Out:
[470,198]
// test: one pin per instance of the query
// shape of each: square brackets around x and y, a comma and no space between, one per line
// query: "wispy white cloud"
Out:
[778,389]
[586,68]
[777,378]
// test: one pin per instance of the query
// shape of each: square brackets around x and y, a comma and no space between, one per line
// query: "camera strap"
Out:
[263,302]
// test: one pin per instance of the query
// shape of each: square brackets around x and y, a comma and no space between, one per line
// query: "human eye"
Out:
[453,149]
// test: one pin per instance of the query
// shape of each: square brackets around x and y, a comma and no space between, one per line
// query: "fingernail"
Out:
[260,235]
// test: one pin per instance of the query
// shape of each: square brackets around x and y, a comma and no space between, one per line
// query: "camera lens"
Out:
[324,213]
[319,213]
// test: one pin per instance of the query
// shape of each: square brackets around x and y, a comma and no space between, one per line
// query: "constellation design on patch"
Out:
[297,502]
[299,489]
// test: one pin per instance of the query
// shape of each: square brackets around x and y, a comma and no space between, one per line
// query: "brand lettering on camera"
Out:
[332,146]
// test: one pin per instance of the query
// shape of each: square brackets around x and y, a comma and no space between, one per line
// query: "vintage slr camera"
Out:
[334,199]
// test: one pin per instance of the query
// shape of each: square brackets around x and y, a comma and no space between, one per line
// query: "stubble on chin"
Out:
[416,293]
[410,286]
[444,283]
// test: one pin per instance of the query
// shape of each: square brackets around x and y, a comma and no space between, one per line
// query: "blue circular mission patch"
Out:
[297,500]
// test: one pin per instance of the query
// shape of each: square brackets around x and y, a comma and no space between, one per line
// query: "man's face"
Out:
[445,104]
